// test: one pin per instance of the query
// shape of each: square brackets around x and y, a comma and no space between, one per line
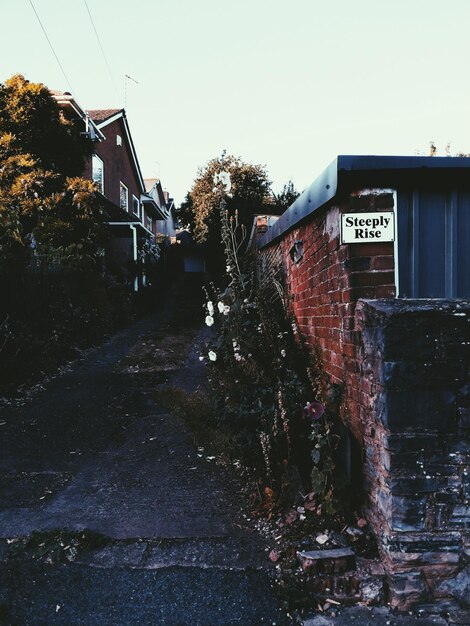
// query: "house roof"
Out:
[57,92]
[101,115]
[65,100]
[150,183]
[104,117]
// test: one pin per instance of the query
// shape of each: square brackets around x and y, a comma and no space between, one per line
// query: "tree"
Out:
[38,127]
[250,194]
[185,214]
[288,196]
[46,209]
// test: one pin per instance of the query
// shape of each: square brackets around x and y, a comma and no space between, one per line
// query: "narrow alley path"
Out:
[137,526]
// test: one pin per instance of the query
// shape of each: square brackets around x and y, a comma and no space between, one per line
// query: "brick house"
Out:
[164,224]
[134,216]
[115,169]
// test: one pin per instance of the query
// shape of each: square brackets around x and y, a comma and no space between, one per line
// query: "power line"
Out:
[51,46]
[102,50]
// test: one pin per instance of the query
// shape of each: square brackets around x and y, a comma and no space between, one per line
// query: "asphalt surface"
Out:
[110,514]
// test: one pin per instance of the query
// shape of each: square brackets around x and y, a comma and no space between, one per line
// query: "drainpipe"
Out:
[134,248]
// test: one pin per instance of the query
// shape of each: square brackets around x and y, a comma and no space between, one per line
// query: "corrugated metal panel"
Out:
[463,244]
[434,243]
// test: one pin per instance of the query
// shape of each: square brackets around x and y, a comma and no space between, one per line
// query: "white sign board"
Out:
[367,227]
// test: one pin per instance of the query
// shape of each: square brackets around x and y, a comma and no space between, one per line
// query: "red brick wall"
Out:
[118,164]
[325,286]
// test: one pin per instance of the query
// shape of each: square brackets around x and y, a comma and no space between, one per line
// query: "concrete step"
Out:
[231,553]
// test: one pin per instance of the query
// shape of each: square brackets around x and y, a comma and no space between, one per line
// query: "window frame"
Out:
[139,207]
[122,186]
[95,158]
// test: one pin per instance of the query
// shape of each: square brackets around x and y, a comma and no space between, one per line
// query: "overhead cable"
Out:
[102,50]
[51,46]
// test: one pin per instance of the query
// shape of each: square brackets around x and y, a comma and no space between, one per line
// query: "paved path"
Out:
[92,461]
[93,470]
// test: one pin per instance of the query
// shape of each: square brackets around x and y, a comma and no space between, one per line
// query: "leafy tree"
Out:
[250,194]
[45,208]
[288,196]
[185,213]
[38,127]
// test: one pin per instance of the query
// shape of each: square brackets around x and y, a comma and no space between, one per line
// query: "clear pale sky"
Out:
[287,84]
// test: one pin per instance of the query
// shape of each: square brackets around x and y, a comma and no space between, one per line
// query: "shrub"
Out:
[267,393]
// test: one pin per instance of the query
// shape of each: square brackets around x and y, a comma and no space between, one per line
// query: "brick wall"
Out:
[118,165]
[415,359]
[404,398]
[326,284]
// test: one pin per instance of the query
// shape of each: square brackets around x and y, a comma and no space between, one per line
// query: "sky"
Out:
[285,84]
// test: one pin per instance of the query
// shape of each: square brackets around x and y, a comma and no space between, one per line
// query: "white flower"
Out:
[224,178]
[220,306]
[201,358]
[283,353]
[238,357]
[212,356]
[209,320]
[210,308]
[229,269]
[226,310]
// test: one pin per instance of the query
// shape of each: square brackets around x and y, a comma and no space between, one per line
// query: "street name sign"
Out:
[367,227]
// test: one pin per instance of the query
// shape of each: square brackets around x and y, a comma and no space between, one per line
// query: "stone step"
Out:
[229,553]
[329,561]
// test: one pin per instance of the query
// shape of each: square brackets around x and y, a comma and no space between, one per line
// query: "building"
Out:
[135,216]
[164,224]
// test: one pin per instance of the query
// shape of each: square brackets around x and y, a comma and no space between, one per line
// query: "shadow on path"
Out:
[93,452]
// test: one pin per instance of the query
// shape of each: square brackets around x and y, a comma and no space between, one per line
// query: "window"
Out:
[123,197]
[149,222]
[97,172]
[136,206]
[118,140]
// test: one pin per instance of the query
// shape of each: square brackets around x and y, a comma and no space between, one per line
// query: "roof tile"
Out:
[101,115]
